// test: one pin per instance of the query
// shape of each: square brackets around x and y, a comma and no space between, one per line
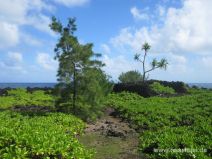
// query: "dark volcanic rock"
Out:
[115,133]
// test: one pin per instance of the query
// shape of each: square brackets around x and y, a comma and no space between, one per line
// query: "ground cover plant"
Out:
[50,136]
[167,124]
[20,97]
[159,89]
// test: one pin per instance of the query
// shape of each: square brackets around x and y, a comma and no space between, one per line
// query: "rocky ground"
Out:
[112,138]
[110,126]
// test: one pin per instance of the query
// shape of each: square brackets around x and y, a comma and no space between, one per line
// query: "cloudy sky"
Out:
[179,30]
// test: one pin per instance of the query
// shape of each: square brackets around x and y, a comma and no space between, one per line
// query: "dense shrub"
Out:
[159,89]
[89,98]
[130,76]
[178,86]
[144,89]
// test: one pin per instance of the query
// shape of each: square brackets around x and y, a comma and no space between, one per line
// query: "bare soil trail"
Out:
[111,138]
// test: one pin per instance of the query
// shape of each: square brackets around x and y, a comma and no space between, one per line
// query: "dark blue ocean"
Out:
[42,85]
[25,85]
[201,85]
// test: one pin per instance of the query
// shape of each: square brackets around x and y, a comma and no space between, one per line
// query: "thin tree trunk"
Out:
[144,71]
[74,91]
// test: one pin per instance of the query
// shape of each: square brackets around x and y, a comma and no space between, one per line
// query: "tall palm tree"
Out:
[162,64]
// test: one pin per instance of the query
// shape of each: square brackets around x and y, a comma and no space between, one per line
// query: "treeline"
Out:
[143,89]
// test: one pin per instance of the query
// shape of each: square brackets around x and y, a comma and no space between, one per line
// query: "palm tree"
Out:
[162,64]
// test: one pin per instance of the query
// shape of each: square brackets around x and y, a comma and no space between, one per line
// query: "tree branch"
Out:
[140,61]
[152,69]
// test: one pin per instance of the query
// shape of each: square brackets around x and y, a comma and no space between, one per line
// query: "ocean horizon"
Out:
[25,85]
[51,85]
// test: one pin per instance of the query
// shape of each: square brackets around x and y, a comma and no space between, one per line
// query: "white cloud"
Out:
[188,29]
[13,63]
[40,22]
[130,39]
[207,62]
[177,64]
[106,49]
[30,40]
[17,13]
[138,15]
[72,3]
[161,10]
[116,65]
[12,68]
[16,57]
[13,11]
[178,58]
[39,5]
[46,61]
[9,35]
[184,30]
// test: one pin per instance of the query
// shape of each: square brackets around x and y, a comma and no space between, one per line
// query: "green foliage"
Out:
[130,76]
[169,123]
[51,136]
[20,97]
[92,93]
[82,82]
[7,102]
[157,88]
[146,46]
[197,90]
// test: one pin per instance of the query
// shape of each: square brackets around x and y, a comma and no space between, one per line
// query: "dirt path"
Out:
[111,138]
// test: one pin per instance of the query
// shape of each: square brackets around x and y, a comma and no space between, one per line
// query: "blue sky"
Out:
[179,30]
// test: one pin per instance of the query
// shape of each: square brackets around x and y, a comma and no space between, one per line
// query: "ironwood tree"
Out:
[82,83]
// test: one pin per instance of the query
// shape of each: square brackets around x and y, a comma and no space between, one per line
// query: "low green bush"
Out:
[159,89]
